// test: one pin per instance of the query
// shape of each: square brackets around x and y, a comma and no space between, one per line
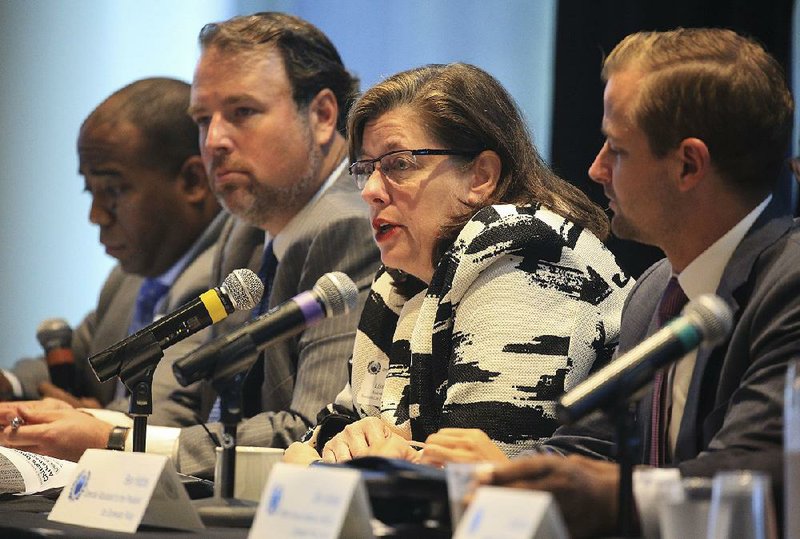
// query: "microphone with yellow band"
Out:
[215,306]
[241,290]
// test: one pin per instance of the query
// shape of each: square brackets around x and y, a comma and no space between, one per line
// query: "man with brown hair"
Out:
[697,125]
[269,97]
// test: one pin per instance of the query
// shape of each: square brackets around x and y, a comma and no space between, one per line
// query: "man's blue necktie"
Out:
[151,291]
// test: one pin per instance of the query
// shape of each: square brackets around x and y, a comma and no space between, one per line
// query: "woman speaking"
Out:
[497,293]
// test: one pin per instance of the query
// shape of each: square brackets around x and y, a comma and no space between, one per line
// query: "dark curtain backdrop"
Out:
[586,30]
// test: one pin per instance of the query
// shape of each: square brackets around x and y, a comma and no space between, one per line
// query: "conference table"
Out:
[26,516]
[29,520]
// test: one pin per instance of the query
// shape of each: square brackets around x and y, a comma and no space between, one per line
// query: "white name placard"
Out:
[316,502]
[512,514]
[117,491]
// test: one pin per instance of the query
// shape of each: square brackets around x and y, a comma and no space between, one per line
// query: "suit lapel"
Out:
[302,230]
[734,289]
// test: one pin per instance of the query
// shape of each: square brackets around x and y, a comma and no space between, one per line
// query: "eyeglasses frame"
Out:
[424,151]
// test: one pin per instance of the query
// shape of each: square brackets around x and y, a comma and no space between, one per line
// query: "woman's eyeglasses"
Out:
[397,165]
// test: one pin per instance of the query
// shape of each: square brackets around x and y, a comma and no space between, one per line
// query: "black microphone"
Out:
[334,293]
[241,290]
[55,336]
[707,320]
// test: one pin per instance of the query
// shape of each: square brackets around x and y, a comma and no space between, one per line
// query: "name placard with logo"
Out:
[321,502]
[118,491]
[512,514]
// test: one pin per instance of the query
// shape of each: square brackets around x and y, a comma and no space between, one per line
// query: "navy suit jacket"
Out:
[733,418]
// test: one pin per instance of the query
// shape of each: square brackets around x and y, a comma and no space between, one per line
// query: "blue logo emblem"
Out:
[274,499]
[79,485]
[476,521]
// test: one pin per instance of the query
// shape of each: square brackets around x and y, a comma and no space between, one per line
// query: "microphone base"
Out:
[226,512]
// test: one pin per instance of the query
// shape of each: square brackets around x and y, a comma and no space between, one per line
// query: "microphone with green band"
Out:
[707,320]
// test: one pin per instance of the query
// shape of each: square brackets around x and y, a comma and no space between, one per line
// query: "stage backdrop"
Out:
[59,59]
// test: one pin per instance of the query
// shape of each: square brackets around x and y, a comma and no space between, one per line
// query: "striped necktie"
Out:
[670,306]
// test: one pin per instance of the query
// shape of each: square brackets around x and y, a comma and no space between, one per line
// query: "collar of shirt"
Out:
[703,274]
[169,277]
[286,237]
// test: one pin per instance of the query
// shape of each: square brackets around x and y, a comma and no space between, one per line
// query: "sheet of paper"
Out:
[22,472]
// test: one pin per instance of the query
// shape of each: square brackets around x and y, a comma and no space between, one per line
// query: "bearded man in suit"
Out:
[270,95]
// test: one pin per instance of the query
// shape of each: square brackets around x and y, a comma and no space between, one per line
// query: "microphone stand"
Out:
[625,420]
[224,509]
[230,396]
[622,411]
[136,372]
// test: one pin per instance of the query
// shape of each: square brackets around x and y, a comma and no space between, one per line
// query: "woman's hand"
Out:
[355,440]
[460,445]
[394,447]
[300,453]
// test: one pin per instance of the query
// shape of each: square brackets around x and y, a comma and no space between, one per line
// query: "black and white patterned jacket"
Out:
[517,312]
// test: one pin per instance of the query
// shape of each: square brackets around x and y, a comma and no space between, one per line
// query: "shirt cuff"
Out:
[16,386]
[160,441]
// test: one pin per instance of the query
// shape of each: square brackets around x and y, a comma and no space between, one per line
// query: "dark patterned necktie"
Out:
[269,263]
[670,306]
[251,387]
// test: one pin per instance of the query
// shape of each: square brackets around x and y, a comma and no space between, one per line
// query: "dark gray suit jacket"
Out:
[733,418]
[108,324]
[303,373]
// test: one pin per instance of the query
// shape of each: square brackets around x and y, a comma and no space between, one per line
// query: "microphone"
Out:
[55,336]
[241,290]
[707,320]
[334,293]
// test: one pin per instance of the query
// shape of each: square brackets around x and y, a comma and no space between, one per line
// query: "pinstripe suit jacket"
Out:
[305,372]
[109,323]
